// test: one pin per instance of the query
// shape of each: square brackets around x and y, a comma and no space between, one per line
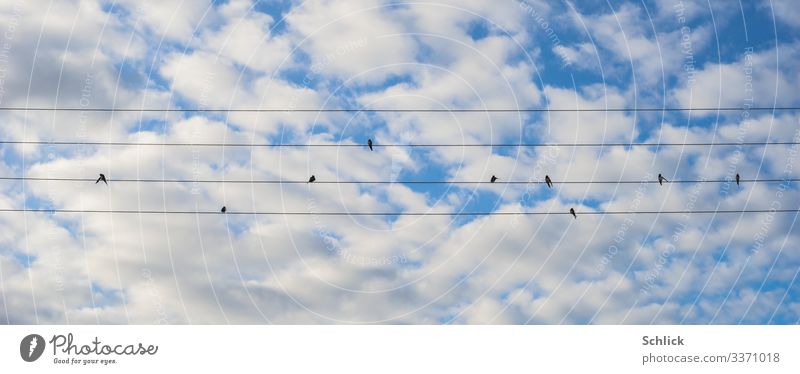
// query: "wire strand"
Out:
[377,145]
[617,212]
[389,110]
[265,181]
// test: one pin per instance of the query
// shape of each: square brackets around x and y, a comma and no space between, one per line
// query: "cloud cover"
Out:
[187,268]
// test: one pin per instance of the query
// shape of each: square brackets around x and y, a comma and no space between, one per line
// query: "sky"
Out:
[69,260]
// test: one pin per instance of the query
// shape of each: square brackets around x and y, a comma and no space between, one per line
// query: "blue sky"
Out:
[372,54]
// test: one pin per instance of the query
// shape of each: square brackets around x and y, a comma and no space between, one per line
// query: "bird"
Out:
[737,179]
[572,211]
[312,179]
[223,210]
[548,181]
[494,179]
[661,180]
[369,143]
[102,178]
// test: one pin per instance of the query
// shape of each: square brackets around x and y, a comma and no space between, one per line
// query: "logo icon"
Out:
[31,347]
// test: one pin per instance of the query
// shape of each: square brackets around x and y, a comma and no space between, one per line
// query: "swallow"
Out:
[102,178]
[494,179]
[572,211]
[548,181]
[661,180]
[369,144]
[312,179]
[223,210]
[737,180]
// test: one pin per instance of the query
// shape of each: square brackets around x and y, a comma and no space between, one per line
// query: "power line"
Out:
[377,145]
[267,181]
[396,110]
[617,212]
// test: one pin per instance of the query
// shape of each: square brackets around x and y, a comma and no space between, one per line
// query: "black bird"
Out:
[548,181]
[737,180]
[572,211]
[661,180]
[369,143]
[312,179]
[223,210]
[494,179]
[102,178]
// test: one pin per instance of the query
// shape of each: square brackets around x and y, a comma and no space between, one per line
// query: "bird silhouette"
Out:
[102,178]
[312,179]
[737,179]
[494,179]
[369,143]
[661,180]
[223,210]
[548,181]
[572,211]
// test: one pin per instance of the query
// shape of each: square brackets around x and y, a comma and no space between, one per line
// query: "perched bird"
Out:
[661,180]
[369,143]
[737,179]
[102,178]
[223,210]
[494,179]
[572,211]
[312,179]
[548,181]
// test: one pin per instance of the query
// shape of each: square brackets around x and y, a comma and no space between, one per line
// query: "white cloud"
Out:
[756,79]
[783,10]
[215,268]
[341,38]
[246,38]
[168,20]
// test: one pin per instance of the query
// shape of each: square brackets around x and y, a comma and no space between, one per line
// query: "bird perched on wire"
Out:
[369,144]
[737,179]
[494,179]
[572,211]
[548,181]
[102,178]
[661,180]
[312,179]
[223,210]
